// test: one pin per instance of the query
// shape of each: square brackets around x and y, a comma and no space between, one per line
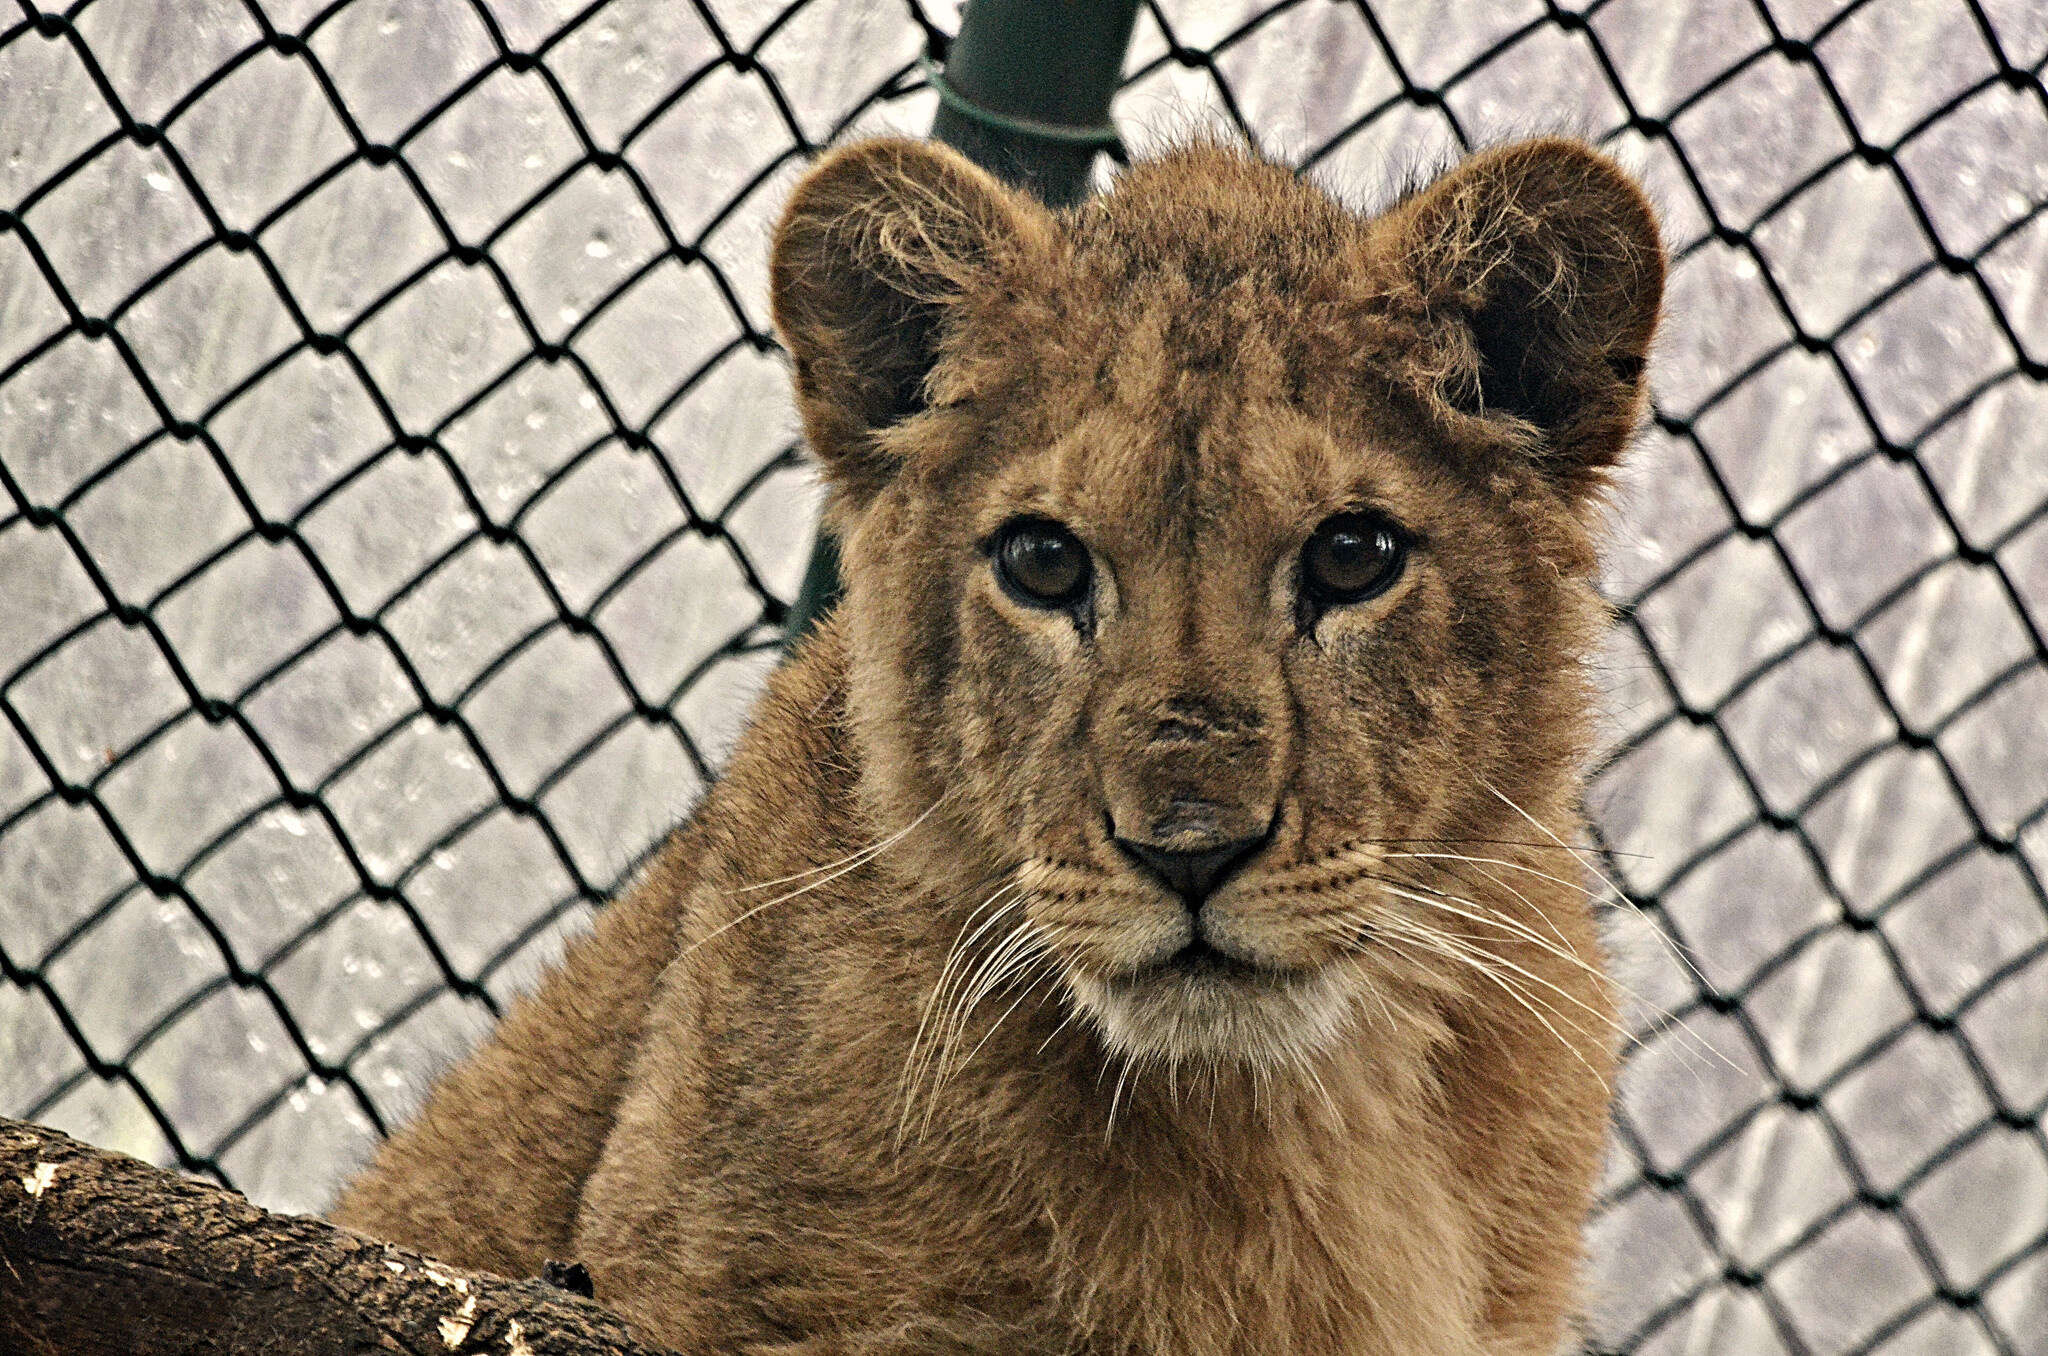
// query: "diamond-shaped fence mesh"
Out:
[401,500]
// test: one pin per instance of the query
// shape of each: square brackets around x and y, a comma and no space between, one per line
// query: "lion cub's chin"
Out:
[1207,1012]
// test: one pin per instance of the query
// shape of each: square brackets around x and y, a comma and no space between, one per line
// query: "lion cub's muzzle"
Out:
[1192,794]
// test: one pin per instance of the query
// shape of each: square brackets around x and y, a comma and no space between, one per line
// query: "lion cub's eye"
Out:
[1040,563]
[1352,557]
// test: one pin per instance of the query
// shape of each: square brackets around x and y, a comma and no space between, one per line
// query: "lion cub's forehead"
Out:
[1196,370]
[1200,270]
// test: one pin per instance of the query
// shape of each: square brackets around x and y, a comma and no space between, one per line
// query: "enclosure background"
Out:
[401,498]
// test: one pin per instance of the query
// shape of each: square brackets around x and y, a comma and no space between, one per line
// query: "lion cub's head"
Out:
[1206,540]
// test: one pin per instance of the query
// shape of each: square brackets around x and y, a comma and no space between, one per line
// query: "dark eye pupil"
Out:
[1352,558]
[1044,563]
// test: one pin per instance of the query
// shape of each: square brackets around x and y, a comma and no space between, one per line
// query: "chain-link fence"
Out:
[401,500]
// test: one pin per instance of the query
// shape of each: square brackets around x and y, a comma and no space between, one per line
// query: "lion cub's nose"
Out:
[1192,875]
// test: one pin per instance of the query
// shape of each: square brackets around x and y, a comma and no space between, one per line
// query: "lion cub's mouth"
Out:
[1207,977]
[1200,959]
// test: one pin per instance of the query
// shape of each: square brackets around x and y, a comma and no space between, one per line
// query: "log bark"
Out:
[102,1253]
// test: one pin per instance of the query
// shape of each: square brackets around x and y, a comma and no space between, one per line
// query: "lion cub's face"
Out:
[1208,543]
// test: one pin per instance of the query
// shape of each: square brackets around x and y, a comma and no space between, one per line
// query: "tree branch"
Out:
[103,1254]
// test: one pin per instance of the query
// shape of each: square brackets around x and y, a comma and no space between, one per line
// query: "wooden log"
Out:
[103,1254]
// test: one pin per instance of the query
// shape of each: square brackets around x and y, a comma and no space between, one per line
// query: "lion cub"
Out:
[1140,920]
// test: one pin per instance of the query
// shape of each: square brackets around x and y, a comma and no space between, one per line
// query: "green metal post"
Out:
[1025,94]
[1026,89]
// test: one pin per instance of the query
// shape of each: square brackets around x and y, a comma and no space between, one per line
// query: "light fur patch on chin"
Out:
[1181,1019]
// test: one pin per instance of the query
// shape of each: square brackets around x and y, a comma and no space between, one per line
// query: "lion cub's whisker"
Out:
[1050,971]
[1688,1037]
[1127,1073]
[1529,936]
[1298,1060]
[1002,961]
[1357,924]
[1484,964]
[1582,855]
[1542,913]
[1490,917]
[917,1061]
[1013,957]
[935,1001]
[1670,943]
[850,864]
[1656,1009]
[1543,846]
[859,855]
[1460,948]
[1492,861]
[1688,1040]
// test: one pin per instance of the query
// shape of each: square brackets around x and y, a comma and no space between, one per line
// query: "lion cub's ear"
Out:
[878,247]
[1544,261]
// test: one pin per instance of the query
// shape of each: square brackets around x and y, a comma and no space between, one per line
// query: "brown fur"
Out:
[799,1096]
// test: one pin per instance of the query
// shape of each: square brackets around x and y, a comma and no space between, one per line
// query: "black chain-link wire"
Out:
[1874,1261]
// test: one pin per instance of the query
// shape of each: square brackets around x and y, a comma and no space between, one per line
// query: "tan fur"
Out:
[883,1055]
